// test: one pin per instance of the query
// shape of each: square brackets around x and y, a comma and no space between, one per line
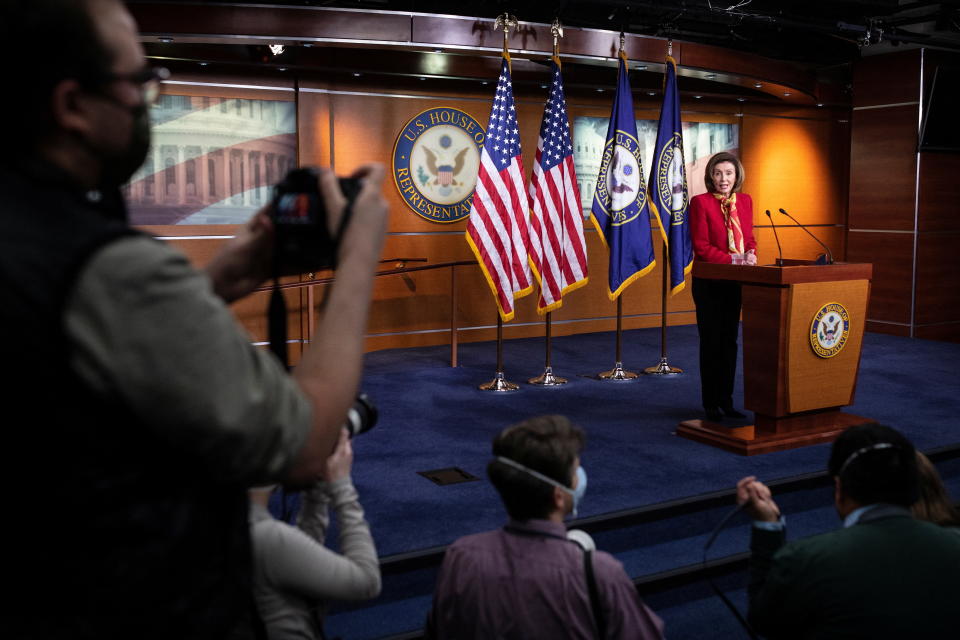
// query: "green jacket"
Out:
[888,576]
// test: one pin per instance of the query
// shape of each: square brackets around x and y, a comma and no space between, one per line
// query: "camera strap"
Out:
[277,322]
[277,309]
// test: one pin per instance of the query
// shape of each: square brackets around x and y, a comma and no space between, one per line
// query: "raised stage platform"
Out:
[652,497]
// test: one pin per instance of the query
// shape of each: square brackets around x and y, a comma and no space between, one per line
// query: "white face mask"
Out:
[576,494]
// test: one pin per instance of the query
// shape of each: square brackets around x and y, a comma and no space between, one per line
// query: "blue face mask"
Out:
[576,494]
[580,490]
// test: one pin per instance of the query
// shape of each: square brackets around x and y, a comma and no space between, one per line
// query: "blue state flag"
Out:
[668,182]
[620,209]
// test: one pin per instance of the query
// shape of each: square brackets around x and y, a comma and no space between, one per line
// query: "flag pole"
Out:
[499,383]
[547,379]
[617,373]
[506,21]
[663,368]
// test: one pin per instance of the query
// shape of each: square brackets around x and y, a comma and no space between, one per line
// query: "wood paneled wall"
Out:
[794,157]
[903,203]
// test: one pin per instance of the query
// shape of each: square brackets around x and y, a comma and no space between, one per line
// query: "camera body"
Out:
[303,238]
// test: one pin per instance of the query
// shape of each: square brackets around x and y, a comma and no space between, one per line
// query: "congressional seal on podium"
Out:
[436,161]
[829,330]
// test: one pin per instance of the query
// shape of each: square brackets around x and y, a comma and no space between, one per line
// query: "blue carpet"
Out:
[433,416]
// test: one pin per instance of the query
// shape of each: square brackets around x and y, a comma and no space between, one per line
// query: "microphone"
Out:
[777,238]
[826,258]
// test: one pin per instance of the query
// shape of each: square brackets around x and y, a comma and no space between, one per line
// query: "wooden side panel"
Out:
[938,278]
[939,192]
[892,258]
[889,329]
[764,349]
[883,168]
[949,331]
[814,382]
[887,79]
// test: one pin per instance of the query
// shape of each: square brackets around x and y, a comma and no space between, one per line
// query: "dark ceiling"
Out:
[816,33]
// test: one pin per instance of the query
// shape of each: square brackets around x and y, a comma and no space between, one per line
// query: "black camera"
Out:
[303,238]
[362,416]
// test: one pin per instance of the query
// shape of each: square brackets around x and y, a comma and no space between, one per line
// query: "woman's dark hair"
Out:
[934,504]
[546,444]
[875,463]
[723,156]
[46,42]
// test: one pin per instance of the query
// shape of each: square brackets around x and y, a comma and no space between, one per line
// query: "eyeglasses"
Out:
[149,79]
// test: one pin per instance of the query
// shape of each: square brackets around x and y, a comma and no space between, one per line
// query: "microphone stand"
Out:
[777,238]
[823,259]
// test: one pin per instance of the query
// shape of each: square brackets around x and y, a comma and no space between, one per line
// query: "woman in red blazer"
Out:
[721,227]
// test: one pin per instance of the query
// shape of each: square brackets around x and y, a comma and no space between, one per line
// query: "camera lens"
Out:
[361,417]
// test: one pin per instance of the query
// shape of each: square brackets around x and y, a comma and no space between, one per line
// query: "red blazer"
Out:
[709,233]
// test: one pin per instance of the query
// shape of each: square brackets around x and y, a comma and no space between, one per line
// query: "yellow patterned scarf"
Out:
[728,207]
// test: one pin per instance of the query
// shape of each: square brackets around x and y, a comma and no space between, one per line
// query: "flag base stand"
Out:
[499,384]
[617,373]
[547,379]
[662,369]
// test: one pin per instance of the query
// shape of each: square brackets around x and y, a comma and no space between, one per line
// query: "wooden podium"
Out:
[795,378]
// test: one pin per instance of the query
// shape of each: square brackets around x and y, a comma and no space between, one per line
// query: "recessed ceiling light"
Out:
[819,104]
[758,84]
[787,94]
[281,68]
[543,86]
[741,99]
[641,67]
[357,74]
[697,97]
[307,44]
[165,39]
[423,77]
[484,82]
[711,76]
[599,90]
[203,64]
[651,93]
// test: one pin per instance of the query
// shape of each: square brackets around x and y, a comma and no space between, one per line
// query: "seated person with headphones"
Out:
[533,578]
[884,574]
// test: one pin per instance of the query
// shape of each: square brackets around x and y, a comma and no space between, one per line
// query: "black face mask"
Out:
[116,168]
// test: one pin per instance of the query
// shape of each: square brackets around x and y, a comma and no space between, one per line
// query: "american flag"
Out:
[557,248]
[498,227]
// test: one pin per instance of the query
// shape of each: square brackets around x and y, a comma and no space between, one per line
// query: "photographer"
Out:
[293,573]
[135,401]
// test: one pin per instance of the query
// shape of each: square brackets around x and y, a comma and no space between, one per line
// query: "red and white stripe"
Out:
[498,231]
[557,247]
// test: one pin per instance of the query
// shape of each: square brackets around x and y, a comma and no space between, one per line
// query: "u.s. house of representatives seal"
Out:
[620,181]
[829,330]
[672,179]
[436,161]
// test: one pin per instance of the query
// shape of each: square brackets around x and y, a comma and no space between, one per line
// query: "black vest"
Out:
[115,532]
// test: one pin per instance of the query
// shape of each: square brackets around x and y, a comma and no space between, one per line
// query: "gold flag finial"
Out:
[557,30]
[506,22]
[623,39]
